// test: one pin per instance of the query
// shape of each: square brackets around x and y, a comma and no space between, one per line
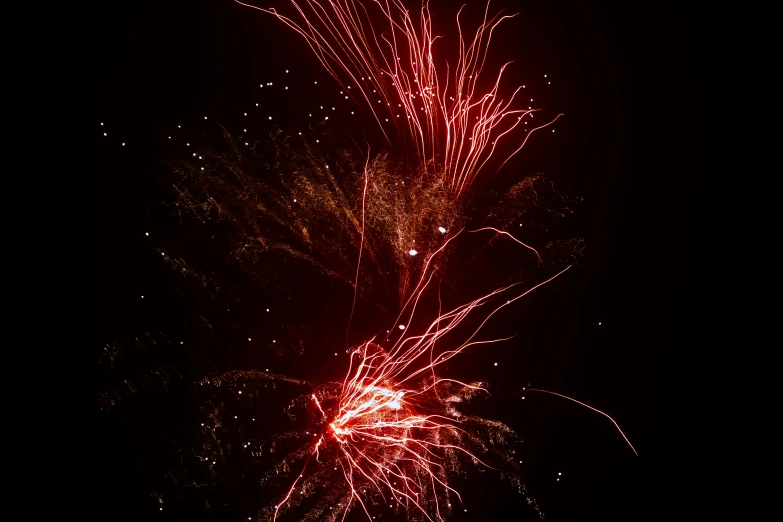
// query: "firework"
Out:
[391,434]
[384,58]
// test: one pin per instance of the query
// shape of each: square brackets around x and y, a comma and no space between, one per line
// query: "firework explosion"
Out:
[391,434]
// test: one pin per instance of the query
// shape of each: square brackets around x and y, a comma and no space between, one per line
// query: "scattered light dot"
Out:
[496,364]
[441,230]
[402,327]
[248,339]
[412,252]
[147,234]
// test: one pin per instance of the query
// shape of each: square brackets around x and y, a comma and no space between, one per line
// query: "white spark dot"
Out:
[496,364]
[147,234]
[412,252]
[249,339]
[402,327]
[441,230]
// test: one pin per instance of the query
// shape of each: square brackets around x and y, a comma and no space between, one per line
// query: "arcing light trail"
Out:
[590,408]
[454,125]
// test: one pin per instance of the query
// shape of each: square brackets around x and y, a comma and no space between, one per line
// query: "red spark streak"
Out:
[512,237]
[452,122]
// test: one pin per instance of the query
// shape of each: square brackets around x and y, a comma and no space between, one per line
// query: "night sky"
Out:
[655,139]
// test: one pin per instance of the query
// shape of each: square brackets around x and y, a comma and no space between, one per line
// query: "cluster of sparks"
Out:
[391,430]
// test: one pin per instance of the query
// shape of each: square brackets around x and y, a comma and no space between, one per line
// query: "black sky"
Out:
[656,138]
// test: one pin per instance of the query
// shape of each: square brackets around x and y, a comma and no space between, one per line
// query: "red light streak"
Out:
[512,237]
[591,408]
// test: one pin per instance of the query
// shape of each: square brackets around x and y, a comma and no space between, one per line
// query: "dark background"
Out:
[656,138]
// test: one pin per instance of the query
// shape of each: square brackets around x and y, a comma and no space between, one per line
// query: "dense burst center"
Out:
[376,412]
